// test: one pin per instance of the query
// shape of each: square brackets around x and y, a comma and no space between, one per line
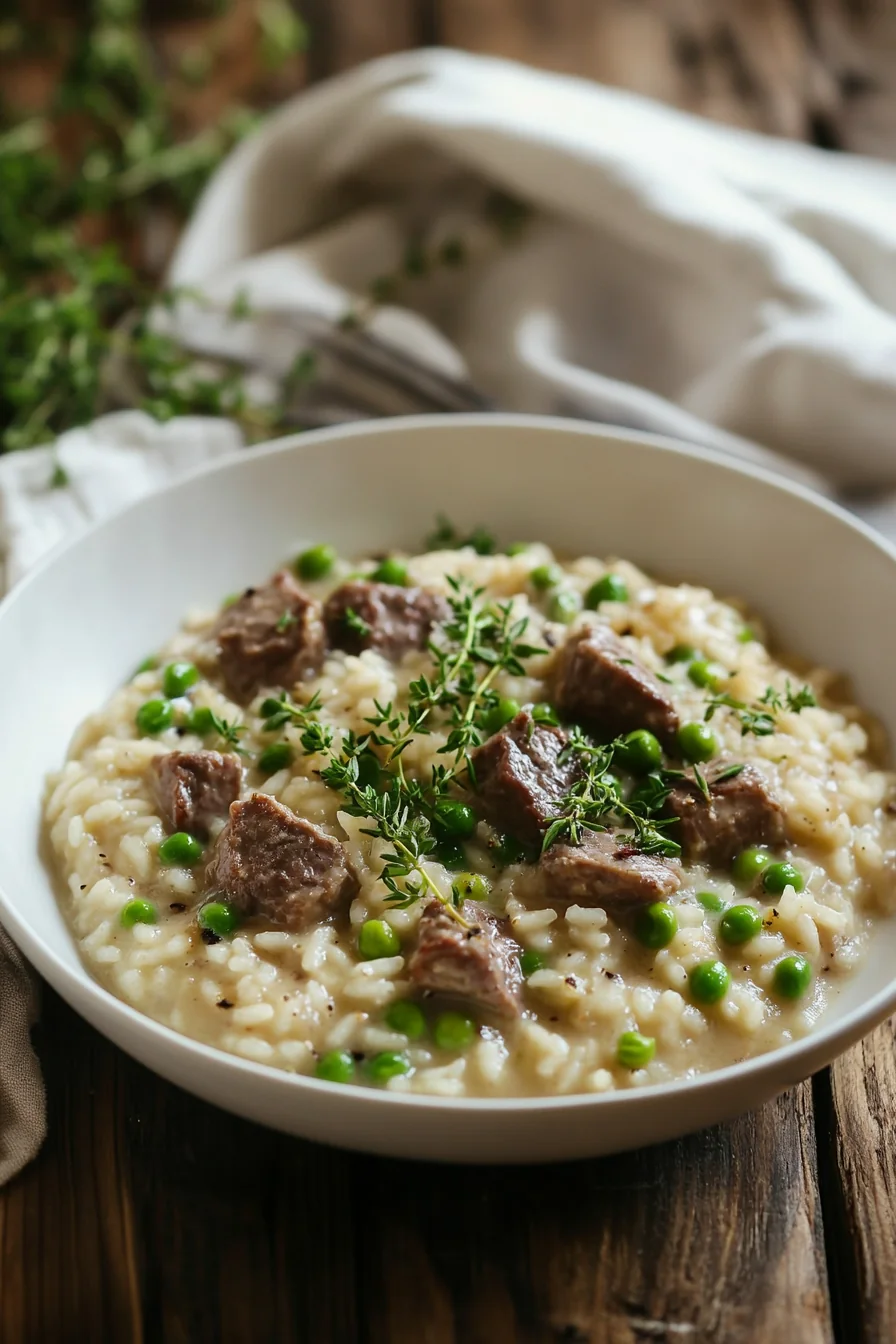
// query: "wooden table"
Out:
[151,1216]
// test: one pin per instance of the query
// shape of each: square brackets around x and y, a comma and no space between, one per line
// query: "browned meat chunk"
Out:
[598,683]
[740,812]
[194,788]
[382,616]
[520,779]
[270,862]
[271,636]
[479,964]
[606,870]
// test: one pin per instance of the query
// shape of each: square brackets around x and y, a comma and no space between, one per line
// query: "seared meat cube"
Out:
[605,869]
[740,812]
[194,788]
[479,964]
[598,683]
[520,778]
[382,616]
[271,636]
[270,862]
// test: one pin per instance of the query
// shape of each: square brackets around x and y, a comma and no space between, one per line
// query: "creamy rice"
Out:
[284,998]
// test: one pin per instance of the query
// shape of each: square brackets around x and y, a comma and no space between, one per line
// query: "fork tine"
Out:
[370,354]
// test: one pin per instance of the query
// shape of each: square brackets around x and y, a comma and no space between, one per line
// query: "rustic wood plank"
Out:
[68,1263]
[857,1105]
[151,1215]
[344,33]
[716,1237]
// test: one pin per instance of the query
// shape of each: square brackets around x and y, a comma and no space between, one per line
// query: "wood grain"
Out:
[822,70]
[348,32]
[154,1217]
[716,1237]
[860,1181]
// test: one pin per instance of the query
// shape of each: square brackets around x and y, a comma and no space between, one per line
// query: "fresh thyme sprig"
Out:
[759,718]
[316,738]
[229,733]
[478,641]
[593,802]
[395,820]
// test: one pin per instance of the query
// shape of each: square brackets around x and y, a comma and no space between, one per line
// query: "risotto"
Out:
[470,823]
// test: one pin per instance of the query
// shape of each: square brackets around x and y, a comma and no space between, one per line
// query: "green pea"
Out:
[791,977]
[219,916]
[377,939]
[707,675]
[681,653]
[778,876]
[608,589]
[565,606]
[316,562]
[495,718]
[155,716]
[739,924]
[509,850]
[639,752]
[149,664]
[697,742]
[455,819]
[336,1066]
[749,864]
[406,1017]
[178,678]
[201,721]
[543,577]
[747,635]
[656,925]
[450,854]
[709,981]
[391,570]
[517,548]
[275,757]
[634,1051]
[711,901]
[470,886]
[180,850]
[453,1031]
[531,961]
[387,1065]
[137,912]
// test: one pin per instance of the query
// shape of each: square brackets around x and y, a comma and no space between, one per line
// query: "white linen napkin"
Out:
[671,275]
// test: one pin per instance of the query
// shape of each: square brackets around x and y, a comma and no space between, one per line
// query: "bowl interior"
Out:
[77,627]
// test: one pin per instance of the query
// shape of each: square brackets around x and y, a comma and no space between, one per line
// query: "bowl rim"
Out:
[792,1057]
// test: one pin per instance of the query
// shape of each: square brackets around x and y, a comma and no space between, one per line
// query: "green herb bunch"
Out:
[112,139]
[594,802]
[478,641]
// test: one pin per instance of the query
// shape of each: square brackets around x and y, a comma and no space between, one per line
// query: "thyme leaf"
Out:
[593,802]
[759,718]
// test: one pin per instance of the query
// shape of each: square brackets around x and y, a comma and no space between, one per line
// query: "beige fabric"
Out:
[22,1112]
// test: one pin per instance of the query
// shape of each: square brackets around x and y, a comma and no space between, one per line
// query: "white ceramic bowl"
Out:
[76,627]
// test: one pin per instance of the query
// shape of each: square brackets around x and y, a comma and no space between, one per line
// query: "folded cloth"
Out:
[22,1120]
[572,249]
[649,268]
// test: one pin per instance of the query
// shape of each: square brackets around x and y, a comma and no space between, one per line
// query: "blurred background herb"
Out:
[107,137]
